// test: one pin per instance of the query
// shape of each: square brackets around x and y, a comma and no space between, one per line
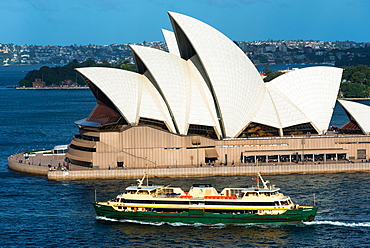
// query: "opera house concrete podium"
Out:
[204,102]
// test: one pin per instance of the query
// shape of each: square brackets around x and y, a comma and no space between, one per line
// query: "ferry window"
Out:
[168,191]
[235,192]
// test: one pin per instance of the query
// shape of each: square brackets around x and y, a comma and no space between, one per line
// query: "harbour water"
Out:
[42,213]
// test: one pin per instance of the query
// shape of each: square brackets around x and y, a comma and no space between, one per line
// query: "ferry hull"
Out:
[302,214]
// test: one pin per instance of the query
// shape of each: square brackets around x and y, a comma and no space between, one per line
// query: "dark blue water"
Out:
[37,212]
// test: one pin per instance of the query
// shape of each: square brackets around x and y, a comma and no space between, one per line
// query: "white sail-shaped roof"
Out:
[172,77]
[205,79]
[359,112]
[288,113]
[202,110]
[152,105]
[132,94]
[237,85]
[183,89]
[267,113]
[312,90]
[171,42]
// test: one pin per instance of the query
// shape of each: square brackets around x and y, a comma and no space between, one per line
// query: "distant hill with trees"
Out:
[356,81]
[56,75]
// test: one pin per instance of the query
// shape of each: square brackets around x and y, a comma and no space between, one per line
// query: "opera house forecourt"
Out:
[204,103]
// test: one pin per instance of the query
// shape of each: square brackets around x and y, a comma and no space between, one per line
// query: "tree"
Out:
[357,74]
[353,90]
[25,83]
[356,81]
[127,66]
[88,63]
[272,75]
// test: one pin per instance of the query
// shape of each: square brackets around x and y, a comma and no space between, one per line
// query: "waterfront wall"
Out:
[187,171]
[207,171]
[27,168]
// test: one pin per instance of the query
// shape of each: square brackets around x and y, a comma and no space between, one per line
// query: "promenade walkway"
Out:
[39,165]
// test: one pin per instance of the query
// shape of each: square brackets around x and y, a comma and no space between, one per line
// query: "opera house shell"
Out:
[204,101]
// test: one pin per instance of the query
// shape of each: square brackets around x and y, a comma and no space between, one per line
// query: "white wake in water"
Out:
[159,223]
[338,223]
[131,221]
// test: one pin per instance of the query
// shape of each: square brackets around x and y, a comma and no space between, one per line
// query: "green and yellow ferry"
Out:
[204,204]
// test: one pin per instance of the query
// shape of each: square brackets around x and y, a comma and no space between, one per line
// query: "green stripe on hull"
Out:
[294,215]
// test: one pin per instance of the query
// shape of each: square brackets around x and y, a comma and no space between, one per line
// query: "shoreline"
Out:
[354,99]
[206,171]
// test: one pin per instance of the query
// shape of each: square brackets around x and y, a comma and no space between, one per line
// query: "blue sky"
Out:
[82,22]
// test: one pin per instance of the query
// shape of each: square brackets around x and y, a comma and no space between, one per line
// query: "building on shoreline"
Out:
[204,102]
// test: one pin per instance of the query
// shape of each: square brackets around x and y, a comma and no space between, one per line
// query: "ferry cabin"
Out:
[202,197]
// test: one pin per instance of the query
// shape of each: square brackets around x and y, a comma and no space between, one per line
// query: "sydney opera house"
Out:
[204,102]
